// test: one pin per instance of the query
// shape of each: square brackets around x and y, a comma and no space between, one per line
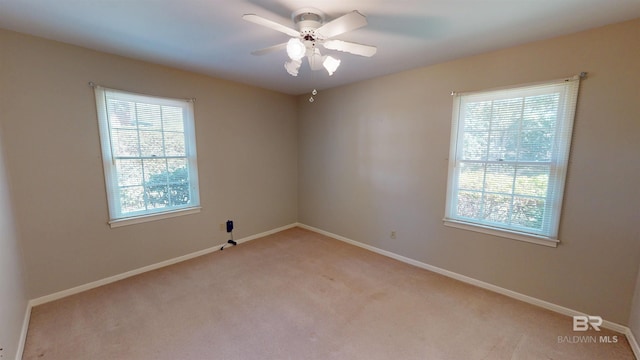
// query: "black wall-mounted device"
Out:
[230,231]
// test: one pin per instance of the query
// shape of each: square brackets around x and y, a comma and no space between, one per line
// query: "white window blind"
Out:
[508,159]
[149,154]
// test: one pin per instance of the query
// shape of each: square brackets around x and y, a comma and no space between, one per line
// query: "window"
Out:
[149,156]
[508,160]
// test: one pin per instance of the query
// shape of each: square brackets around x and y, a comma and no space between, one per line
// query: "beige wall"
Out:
[247,158]
[13,292]
[373,159]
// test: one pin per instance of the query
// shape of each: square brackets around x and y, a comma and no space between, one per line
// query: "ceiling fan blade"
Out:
[350,47]
[271,24]
[269,49]
[341,25]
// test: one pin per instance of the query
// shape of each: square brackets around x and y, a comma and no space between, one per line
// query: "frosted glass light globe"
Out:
[296,49]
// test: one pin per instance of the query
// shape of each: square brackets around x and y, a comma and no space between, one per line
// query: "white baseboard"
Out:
[500,290]
[105,281]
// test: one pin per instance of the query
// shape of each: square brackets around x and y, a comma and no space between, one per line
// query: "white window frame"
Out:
[116,216]
[548,235]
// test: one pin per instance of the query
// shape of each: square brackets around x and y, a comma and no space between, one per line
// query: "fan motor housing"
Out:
[307,20]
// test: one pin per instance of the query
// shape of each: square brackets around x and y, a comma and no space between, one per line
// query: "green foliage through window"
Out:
[148,144]
[509,157]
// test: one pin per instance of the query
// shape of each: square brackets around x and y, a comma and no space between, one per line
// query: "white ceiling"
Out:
[209,36]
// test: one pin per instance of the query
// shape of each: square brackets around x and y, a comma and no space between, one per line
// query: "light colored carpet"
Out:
[300,295]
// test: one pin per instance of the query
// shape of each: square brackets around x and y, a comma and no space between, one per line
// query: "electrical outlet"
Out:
[222,227]
[393,235]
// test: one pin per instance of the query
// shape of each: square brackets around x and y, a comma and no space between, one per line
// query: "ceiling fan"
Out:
[310,32]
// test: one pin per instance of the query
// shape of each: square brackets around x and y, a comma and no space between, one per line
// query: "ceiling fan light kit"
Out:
[292,67]
[312,31]
[296,49]
[330,64]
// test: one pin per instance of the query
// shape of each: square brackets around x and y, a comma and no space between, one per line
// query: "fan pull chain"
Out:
[314,92]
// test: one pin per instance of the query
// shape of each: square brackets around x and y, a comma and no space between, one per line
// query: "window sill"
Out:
[153,217]
[534,239]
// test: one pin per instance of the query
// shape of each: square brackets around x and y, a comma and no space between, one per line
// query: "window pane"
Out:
[174,144]
[132,199]
[178,170]
[172,119]
[539,121]
[541,111]
[155,171]
[536,145]
[129,172]
[151,143]
[147,143]
[469,204]
[532,180]
[149,116]
[125,142]
[508,157]
[179,194]
[157,196]
[528,212]
[121,114]
[499,178]
[471,176]
[475,145]
[503,145]
[496,208]
[477,116]
[506,114]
